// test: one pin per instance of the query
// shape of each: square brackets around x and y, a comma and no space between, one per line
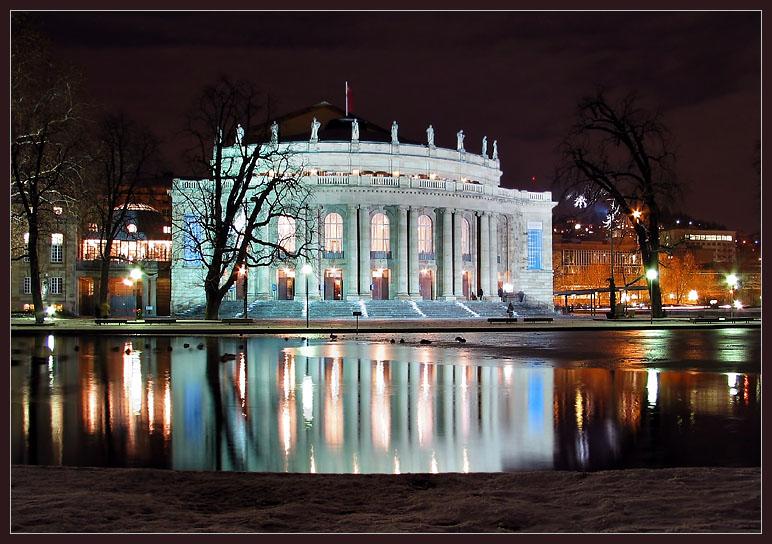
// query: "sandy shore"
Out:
[56,499]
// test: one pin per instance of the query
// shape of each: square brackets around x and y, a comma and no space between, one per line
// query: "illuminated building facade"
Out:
[395,219]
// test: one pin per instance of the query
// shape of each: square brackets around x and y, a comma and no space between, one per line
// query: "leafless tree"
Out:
[44,142]
[123,155]
[621,151]
[239,189]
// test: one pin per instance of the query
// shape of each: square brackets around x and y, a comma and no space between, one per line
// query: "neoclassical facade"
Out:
[397,220]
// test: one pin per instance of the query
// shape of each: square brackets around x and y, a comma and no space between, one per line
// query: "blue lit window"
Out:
[191,241]
[534,249]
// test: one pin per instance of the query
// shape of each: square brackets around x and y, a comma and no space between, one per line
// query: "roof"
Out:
[335,126]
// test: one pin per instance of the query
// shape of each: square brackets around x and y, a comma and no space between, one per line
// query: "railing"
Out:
[380,254]
[332,180]
[539,196]
[426,255]
[332,254]
[473,187]
[431,184]
[384,181]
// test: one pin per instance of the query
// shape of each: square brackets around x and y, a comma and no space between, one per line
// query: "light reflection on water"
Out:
[364,407]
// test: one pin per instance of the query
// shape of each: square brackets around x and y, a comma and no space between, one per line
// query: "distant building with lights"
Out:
[396,219]
[709,246]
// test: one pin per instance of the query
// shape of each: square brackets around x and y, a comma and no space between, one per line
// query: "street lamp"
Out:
[243,274]
[731,281]
[306,270]
[651,275]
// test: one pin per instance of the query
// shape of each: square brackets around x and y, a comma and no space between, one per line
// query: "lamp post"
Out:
[306,270]
[651,275]
[135,274]
[243,274]
[731,281]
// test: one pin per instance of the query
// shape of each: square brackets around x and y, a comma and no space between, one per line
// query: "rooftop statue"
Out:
[495,150]
[315,129]
[485,147]
[274,132]
[460,140]
[430,136]
[394,129]
[239,134]
[355,130]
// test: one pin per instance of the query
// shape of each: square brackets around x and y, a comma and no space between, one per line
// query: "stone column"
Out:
[402,292]
[447,254]
[484,255]
[413,289]
[458,263]
[365,274]
[352,255]
[512,251]
[494,244]
[313,251]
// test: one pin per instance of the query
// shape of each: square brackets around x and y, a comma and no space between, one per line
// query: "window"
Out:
[57,239]
[379,233]
[131,227]
[192,240]
[26,247]
[58,210]
[57,286]
[534,245]
[333,232]
[167,229]
[425,244]
[466,229]
[287,233]
[27,286]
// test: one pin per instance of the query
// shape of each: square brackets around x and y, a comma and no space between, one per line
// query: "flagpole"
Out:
[347,99]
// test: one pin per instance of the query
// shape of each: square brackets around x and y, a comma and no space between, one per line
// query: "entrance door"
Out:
[286,284]
[86,291]
[381,284]
[426,284]
[465,284]
[333,284]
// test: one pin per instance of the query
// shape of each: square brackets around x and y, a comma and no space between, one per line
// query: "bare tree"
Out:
[124,154]
[243,189]
[623,152]
[44,142]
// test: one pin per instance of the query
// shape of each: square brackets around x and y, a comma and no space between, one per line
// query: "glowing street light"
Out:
[135,274]
[306,270]
[692,296]
[637,214]
[732,282]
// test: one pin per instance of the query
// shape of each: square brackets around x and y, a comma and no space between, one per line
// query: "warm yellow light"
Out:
[395,173]
[692,296]
[135,274]
[637,214]
[731,280]
[127,282]
[651,274]
[242,270]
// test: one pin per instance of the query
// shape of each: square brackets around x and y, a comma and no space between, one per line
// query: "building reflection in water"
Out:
[365,408]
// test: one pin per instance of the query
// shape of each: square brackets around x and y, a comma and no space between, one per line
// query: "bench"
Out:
[109,320]
[537,319]
[237,320]
[502,320]
[743,319]
[160,320]
[707,319]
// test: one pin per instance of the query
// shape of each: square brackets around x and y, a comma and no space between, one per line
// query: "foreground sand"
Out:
[55,499]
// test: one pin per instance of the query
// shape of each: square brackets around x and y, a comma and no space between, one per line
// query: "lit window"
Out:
[26,247]
[287,233]
[333,232]
[534,246]
[56,285]
[379,233]
[131,227]
[27,285]
[425,234]
[192,240]
[466,238]
[57,239]
[167,229]
[58,210]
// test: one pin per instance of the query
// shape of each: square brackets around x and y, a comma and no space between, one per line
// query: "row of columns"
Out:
[358,277]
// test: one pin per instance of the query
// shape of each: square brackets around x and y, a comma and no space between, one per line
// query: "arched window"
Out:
[466,247]
[287,233]
[333,232]
[379,233]
[425,244]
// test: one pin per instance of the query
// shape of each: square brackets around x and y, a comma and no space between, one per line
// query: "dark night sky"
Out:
[515,77]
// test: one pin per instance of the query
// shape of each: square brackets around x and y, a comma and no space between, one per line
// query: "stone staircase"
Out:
[437,309]
[277,309]
[333,309]
[391,309]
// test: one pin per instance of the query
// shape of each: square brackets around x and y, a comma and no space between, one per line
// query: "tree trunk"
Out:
[213,301]
[34,266]
[104,289]
[655,290]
